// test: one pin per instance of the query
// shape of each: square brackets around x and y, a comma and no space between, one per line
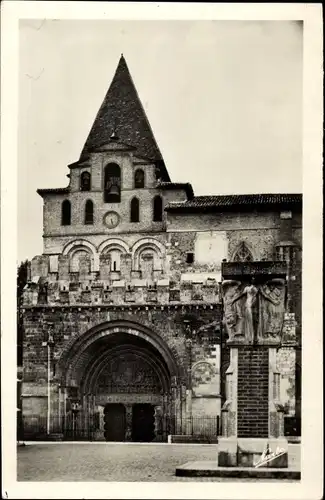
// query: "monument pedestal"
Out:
[253,452]
[252,417]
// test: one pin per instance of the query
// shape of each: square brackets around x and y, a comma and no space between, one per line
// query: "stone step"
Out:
[211,469]
[180,438]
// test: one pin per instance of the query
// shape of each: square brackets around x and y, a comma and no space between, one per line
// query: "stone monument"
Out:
[254,297]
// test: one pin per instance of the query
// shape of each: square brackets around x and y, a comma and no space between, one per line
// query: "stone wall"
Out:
[95,166]
[70,323]
[286,364]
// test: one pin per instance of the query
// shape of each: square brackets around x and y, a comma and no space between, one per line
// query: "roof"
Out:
[178,185]
[41,192]
[122,113]
[224,202]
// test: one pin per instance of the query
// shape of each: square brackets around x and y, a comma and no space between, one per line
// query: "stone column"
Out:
[44,265]
[63,267]
[64,408]
[126,266]
[252,416]
[99,434]
[104,266]
[128,422]
[84,267]
[166,415]
[147,267]
[158,416]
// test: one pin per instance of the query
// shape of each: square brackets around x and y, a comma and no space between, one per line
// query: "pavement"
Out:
[80,461]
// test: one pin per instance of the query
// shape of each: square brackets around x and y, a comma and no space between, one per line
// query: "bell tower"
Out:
[114,186]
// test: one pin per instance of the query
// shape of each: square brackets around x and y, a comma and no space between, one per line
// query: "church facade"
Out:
[125,336]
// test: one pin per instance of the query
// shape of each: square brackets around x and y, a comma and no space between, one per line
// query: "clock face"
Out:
[111,219]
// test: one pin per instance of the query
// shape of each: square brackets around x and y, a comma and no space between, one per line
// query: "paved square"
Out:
[116,461]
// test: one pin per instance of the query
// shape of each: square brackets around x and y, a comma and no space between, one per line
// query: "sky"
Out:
[224,100]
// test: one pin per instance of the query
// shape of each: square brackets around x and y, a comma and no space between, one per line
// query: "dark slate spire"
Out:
[122,115]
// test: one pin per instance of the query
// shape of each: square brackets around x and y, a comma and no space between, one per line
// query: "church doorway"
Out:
[143,422]
[114,422]
[121,375]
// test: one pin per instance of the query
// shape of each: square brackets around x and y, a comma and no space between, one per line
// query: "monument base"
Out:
[253,452]
[211,469]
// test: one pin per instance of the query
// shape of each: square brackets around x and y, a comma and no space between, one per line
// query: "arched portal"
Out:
[121,376]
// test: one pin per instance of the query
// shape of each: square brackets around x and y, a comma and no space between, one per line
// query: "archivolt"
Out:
[78,245]
[146,244]
[113,244]
[76,349]
[95,368]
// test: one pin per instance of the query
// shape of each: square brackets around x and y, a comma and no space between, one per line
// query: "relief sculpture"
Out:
[233,308]
[271,308]
[254,312]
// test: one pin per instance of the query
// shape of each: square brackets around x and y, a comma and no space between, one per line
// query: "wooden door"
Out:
[114,422]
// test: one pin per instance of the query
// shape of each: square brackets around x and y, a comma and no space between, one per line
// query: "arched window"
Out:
[242,254]
[139,178]
[135,210]
[66,213]
[85,179]
[115,260]
[157,174]
[112,183]
[89,212]
[157,209]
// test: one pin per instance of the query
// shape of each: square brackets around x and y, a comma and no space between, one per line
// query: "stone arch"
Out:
[243,253]
[114,244]
[79,243]
[80,247]
[85,180]
[139,178]
[147,244]
[75,354]
[66,213]
[112,183]
[96,367]
[89,212]
[204,362]
[205,377]
[115,247]
[157,208]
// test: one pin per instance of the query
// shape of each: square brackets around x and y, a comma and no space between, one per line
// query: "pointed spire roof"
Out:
[122,115]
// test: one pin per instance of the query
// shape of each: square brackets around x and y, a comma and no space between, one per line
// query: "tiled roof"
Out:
[178,185]
[53,190]
[207,203]
[122,113]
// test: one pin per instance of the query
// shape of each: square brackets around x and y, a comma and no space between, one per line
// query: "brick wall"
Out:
[253,375]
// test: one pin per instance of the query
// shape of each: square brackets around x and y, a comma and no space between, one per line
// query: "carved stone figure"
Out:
[233,308]
[271,308]
[251,310]
[251,292]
